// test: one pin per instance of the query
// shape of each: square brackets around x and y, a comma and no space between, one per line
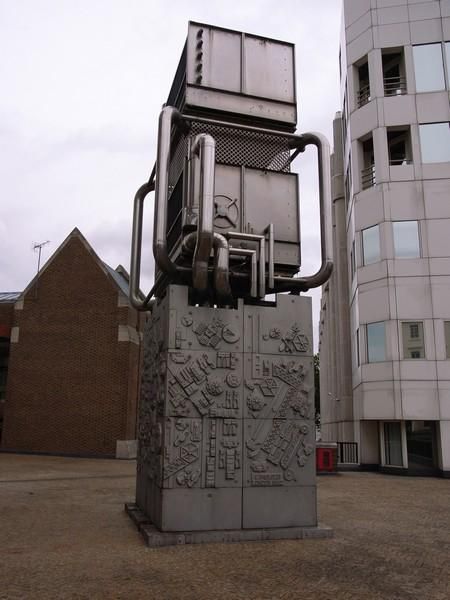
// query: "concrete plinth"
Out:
[226,427]
[155,538]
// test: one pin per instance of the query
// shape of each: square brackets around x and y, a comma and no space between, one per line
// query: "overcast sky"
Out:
[82,85]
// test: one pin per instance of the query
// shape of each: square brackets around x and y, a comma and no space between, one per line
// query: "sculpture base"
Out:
[153,537]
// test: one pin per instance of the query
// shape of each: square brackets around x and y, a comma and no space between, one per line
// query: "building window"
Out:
[414,330]
[376,346]
[393,455]
[393,72]
[435,142]
[428,67]
[399,145]
[406,239]
[363,93]
[447,338]
[413,341]
[371,244]
[368,160]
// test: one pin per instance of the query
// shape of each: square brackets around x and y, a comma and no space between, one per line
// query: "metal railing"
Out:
[368,177]
[363,96]
[348,452]
[400,161]
[394,86]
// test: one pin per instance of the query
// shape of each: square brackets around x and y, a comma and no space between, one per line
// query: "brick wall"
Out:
[6,318]
[6,321]
[72,386]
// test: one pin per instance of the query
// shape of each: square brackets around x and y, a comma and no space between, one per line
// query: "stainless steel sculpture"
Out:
[226,423]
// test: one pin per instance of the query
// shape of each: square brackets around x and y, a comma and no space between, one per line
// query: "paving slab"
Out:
[64,535]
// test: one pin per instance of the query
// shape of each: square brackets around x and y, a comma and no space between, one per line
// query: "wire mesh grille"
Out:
[177,162]
[236,147]
[239,147]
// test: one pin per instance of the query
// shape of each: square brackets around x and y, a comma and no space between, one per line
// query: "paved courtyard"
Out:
[63,534]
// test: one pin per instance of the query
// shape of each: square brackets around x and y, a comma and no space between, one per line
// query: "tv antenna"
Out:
[37,247]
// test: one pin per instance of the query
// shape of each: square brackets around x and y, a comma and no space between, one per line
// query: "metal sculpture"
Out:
[226,422]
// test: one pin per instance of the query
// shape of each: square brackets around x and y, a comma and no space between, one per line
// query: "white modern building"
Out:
[385,321]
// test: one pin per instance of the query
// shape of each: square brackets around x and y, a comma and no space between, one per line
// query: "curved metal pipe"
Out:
[136,244]
[221,263]
[204,147]
[326,231]
[323,149]
[168,116]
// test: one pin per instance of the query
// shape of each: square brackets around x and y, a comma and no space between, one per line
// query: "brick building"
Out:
[70,355]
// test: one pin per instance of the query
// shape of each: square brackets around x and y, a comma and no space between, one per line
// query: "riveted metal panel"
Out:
[269,69]
[239,74]
[273,198]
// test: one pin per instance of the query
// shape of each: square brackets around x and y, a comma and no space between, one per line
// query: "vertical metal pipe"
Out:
[262,267]
[205,146]
[271,268]
[136,245]
[167,118]
[221,263]
[221,269]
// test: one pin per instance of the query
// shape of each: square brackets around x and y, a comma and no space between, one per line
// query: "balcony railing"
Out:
[363,96]
[368,177]
[400,161]
[348,452]
[394,86]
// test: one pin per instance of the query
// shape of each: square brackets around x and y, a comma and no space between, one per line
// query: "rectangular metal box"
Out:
[253,187]
[220,74]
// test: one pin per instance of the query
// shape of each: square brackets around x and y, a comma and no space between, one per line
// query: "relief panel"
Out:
[201,453]
[182,453]
[204,384]
[222,453]
[203,328]
[285,329]
[151,404]
[276,387]
[227,402]
[278,452]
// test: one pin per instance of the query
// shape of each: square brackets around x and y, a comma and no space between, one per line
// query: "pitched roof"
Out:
[7,297]
[119,276]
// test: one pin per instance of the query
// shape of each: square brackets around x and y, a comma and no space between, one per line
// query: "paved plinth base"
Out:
[153,537]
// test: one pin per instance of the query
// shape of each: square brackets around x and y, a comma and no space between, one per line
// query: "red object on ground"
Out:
[326,458]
